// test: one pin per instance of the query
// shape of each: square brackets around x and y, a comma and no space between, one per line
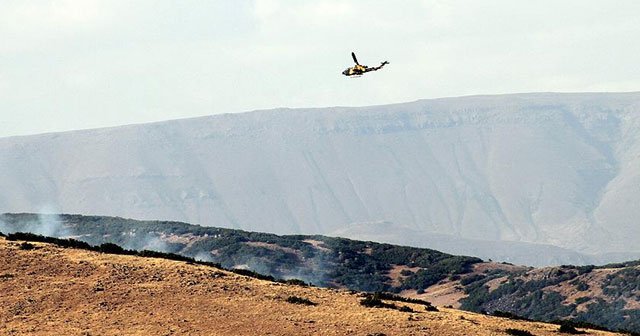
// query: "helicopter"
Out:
[358,70]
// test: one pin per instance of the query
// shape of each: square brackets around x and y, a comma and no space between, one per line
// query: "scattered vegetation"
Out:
[526,296]
[300,301]
[625,264]
[624,283]
[356,265]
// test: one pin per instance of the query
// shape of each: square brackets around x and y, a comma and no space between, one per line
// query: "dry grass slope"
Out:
[54,291]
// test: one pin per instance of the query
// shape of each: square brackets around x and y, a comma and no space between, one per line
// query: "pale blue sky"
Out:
[91,63]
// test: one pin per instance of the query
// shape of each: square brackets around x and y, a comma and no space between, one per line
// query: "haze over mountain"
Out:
[547,168]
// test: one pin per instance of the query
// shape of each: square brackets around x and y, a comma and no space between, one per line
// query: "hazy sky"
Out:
[91,63]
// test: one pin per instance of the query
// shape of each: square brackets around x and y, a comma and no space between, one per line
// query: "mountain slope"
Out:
[557,169]
[109,294]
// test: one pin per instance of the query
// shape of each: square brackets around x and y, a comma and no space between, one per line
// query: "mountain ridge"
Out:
[540,168]
[338,107]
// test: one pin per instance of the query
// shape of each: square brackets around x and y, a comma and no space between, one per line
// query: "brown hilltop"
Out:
[55,291]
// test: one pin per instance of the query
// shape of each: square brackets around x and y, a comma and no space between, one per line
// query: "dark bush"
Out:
[471,279]
[582,286]
[295,282]
[110,248]
[580,324]
[42,239]
[518,332]
[585,269]
[406,272]
[393,297]
[302,301]
[509,315]
[430,308]
[7,276]
[582,299]
[27,246]
[252,274]
[568,328]
[405,309]
[170,256]
[374,301]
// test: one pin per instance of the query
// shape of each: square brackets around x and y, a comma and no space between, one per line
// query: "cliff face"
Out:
[560,169]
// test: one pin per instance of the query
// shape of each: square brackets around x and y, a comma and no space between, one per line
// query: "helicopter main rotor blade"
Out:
[354,58]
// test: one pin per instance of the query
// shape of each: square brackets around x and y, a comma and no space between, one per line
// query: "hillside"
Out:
[52,290]
[555,169]
[320,260]
[605,295]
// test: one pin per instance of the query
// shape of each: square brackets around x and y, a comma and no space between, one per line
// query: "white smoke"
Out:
[314,270]
[4,228]
[49,224]
[46,222]
[151,241]
[203,256]
[154,243]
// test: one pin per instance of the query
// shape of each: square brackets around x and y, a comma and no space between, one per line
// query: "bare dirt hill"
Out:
[51,290]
